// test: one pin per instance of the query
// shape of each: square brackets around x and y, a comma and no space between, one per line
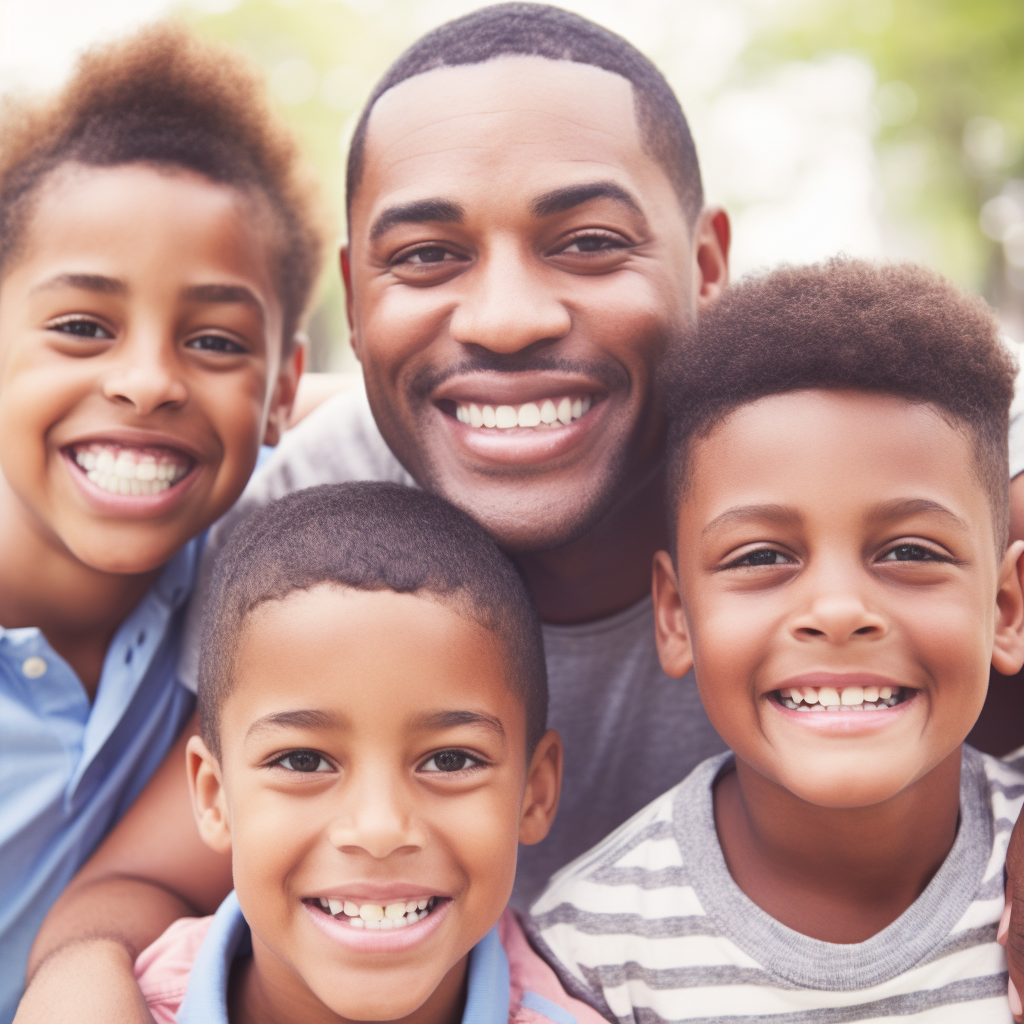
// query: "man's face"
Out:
[517,265]
[838,591]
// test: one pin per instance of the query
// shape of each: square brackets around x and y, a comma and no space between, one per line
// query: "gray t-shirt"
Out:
[630,732]
[649,926]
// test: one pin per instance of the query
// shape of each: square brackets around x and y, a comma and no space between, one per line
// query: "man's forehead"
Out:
[499,124]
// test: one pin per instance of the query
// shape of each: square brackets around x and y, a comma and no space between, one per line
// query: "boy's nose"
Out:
[839,617]
[376,821]
[506,305]
[145,380]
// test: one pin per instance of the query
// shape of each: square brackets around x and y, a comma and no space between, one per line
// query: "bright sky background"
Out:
[792,158]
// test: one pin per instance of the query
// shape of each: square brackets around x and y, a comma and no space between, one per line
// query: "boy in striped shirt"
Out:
[840,581]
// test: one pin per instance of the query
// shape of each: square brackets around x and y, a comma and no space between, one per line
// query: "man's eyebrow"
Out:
[780,514]
[86,282]
[561,199]
[451,719]
[301,718]
[902,508]
[421,211]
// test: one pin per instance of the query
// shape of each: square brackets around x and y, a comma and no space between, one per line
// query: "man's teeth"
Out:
[551,412]
[850,698]
[378,916]
[123,470]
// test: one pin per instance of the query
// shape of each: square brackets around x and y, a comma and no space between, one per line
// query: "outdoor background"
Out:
[878,128]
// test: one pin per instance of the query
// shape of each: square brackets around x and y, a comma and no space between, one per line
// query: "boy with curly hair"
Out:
[840,580]
[158,247]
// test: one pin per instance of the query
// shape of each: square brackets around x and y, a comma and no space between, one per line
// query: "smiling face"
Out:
[140,361]
[517,265]
[838,591]
[372,787]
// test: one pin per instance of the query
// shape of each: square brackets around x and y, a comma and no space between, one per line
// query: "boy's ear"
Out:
[543,786]
[346,280]
[283,398]
[206,788]
[1008,648]
[670,631]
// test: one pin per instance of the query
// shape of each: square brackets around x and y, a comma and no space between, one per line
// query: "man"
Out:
[526,237]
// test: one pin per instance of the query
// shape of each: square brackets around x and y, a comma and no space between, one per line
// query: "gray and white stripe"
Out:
[649,926]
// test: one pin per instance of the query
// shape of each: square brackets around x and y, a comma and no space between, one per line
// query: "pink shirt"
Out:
[162,971]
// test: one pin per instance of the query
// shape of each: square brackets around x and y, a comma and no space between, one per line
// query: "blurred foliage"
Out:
[321,58]
[950,105]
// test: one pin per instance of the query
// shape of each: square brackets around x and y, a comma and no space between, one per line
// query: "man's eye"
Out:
[449,761]
[81,328]
[911,553]
[428,254]
[215,343]
[304,761]
[592,243]
[762,556]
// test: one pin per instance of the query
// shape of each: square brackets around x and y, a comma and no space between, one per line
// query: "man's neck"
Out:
[838,875]
[606,570]
[42,584]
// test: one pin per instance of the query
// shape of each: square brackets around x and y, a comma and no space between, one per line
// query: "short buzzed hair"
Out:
[370,536]
[539,30]
[895,329]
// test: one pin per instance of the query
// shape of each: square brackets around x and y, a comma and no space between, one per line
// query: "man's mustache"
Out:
[609,374]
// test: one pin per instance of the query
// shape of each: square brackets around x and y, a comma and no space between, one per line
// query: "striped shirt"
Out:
[649,926]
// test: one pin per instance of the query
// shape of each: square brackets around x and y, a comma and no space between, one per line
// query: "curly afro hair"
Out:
[163,97]
[898,329]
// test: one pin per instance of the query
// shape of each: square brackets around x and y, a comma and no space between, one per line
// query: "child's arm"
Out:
[152,869]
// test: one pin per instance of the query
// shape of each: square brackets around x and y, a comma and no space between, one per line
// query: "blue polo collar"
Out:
[487,998]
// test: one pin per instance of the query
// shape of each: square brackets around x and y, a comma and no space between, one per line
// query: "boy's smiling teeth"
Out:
[547,413]
[122,469]
[377,916]
[849,698]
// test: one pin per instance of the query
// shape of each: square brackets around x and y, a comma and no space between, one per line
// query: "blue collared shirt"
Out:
[69,769]
[487,997]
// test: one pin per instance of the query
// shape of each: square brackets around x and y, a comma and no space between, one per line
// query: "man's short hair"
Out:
[162,96]
[539,30]
[370,536]
[895,329]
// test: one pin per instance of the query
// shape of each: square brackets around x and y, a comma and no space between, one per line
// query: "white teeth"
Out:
[810,695]
[530,414]
[394,910]
[377,916]
[357,922]
[127,471]
[871,693]
[387,924]
[371,912]
[850,698]
[884,692]
[336,906]
[852,695]
[410,907]
[373,925]
[351,909]
[828,696]
[422,904]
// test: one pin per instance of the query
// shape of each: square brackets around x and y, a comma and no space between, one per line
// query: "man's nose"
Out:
[375,818]
[507,303]
[146,374]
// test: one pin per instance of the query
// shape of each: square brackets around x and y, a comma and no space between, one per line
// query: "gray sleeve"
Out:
[335,443]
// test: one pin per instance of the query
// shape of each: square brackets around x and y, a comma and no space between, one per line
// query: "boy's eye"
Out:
[304,761]
[80,327]
[449,761]
[762,556]
[215,343]
[911,553]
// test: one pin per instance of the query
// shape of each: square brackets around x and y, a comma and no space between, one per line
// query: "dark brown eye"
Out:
[304,761]
[449,761]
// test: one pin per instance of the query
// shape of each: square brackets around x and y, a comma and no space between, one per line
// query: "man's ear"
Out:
[1008,648]
[209,804]
[543,786]
[712,236]
[350,298]
[670,631]
[283,398]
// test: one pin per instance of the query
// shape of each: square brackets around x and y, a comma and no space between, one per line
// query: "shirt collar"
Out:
[487,998]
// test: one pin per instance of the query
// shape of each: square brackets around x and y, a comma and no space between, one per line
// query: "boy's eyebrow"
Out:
[772,513]
[86,282]
[421,211]
[450,719]
[221,293]
[561,199]
[302,718]
[900,508]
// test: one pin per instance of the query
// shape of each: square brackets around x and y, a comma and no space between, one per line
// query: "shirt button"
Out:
[33,667]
